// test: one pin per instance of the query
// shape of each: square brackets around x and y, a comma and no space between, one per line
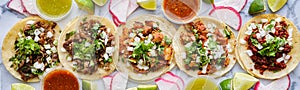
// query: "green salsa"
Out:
[54,8]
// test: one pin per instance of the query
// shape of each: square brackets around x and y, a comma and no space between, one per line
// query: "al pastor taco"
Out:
[87,47]
[146,48]
[267,46]
[205,47]
[30,48]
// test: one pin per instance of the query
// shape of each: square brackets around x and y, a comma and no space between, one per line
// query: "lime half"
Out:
[226,84]
[147,87]
[21,86]
[100,2]
[147,4]
[86,5]
[257,6]
[275,5]
[209,1]
[242,81]
[88,85]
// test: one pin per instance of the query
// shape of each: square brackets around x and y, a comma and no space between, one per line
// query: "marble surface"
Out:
[9,17]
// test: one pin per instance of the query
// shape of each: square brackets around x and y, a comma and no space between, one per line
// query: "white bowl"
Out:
[172,19]
[44,16]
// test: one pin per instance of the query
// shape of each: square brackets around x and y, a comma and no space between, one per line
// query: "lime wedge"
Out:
[275,5]
[209,1]
[88,85]
[100,2]
[21,86]
[86,5]
[257,6]
[147,4]
[242,81]
[202,83]
[146,87]
[133,88]
[226,84]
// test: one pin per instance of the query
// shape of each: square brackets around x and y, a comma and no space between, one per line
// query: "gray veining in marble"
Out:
[9,17]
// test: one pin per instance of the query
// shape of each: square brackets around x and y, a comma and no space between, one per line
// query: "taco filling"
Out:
[90,47]
[206,47]
[35,49]
[269,43]
[145,47]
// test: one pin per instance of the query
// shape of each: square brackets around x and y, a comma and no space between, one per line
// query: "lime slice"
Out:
[133,88]
[275,5]
[21,86]
[226,84]
[86,5]
[147,87]
[147,4]
[202,83]
[209,1]
[88,85]
[242,81]
[100,2]
[257,6]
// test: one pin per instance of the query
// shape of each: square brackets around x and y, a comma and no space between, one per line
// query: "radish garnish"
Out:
[107,82]
[29,7]
[164,84]
[17,6]
[132,7]
[228,15]
[118,9]
[119,81]
[174,78]
[279,84]
[238,5]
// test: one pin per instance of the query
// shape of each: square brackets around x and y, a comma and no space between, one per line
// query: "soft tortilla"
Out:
[8,49]
[248,65]
[167,29]
[179,47]
[73,25]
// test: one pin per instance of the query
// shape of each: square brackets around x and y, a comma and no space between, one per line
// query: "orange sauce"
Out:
[183,10]
[60,80]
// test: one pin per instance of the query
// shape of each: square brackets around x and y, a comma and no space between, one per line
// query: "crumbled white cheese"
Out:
[150,36]
[36,38]
[141,35]
[30,22]
[137,39]
[129,48]
[204,68]
[262,33]
[279,59]
[105,56]
[27,59]
[258,35]
[197,59]
[273,30]
[49,34]
[264,20]
[38,65]
[290,32]
[249,52]
[281,48]
[269,37]
[20,35]
[248,32]
[28,37]
[278,19]
[42,29]
[48,52]
[242,41]
[131,35]
[105,40]
[253,26]
[63,50]
[48,59]
[229,49]
[249,28]
[103,34]
[109,50]
[259,46]
[53,49]
[37,32]
[47,46]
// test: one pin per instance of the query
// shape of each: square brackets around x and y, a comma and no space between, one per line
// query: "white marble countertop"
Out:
[9,17]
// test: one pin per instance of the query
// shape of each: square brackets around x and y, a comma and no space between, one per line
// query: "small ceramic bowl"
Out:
[51,18]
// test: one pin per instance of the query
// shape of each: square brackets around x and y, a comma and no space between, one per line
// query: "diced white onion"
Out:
[249,52]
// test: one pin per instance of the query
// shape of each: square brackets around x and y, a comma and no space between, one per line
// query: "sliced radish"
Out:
[132,7]
[107,82]
[119,81]
[279,84]
[29,7]
[174,78]
[164,84]
[17,6]
[228,15]
[238,5]
[118,9]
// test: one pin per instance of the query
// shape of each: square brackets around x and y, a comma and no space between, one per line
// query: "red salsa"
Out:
[182,10]
[60,80]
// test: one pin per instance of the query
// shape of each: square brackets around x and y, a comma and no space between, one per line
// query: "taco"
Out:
[267,46]
[30,48]
[146,48]
[206,47]
[87,47]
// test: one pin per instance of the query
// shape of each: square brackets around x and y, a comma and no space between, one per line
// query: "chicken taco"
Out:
[267,46]
[30,48]
[87,47]
[206,47]
[146,47]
